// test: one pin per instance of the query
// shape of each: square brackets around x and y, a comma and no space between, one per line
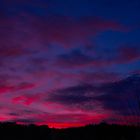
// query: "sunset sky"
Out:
[70,62]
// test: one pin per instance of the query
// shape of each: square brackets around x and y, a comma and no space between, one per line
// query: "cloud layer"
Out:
[67,69]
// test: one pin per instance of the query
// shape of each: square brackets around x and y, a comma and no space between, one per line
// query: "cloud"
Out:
[28,30]
[80,104]
[128,53]
[67,31]
[25,120]
[80,97]
[75,58]
[79,59]
[4,88]
[26,99]
[100,77]
[33,54]
[120,98]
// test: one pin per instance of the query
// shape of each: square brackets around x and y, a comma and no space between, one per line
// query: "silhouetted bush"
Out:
[90,132]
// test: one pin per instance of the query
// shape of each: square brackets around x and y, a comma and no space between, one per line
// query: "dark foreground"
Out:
[12,131]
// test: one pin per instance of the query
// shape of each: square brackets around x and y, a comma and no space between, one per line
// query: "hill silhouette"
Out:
[102,131]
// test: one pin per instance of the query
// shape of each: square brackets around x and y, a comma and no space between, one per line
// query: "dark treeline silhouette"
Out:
[90,132]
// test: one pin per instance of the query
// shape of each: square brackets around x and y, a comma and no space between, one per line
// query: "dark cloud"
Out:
[71,99]
[14,114]
[26,121]
[37,65]
[98,57]
[27,111]
[78,59]
[73,59]
[80,96]
[120,97]
[100,77]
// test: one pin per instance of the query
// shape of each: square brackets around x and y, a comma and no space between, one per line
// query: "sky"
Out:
[67,63]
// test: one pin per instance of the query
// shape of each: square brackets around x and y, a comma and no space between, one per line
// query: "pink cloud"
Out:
[4,89]
[26,100]
[10,88]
